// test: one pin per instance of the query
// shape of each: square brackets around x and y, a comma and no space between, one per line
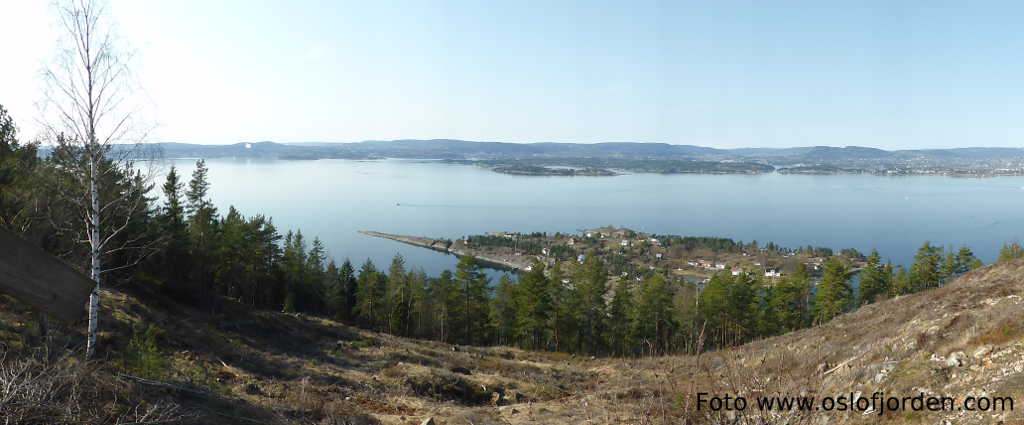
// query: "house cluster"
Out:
[734,270]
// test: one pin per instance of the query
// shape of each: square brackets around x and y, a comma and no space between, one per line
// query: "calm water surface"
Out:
[333,199]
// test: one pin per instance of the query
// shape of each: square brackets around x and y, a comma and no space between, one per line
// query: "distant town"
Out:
[629,254]
[609,159]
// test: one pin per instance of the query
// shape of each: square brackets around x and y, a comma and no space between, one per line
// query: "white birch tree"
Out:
[89,114]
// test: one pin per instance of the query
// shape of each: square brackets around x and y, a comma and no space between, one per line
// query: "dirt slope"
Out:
[243,366]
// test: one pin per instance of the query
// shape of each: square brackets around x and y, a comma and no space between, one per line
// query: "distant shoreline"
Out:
[604,159]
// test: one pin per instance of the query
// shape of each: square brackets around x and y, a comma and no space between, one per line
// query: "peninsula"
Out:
[633,254]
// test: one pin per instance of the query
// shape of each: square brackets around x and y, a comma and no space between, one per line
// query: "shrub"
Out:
[143,357]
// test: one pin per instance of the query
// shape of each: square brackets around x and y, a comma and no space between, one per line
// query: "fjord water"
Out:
[333,199]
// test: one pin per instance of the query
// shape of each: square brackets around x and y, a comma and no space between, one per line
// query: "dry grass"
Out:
[243,366]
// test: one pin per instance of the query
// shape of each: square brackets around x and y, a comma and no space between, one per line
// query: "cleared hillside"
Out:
[242,366]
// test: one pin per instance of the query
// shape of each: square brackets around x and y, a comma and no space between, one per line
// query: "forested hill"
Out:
[635,157]
[461,149]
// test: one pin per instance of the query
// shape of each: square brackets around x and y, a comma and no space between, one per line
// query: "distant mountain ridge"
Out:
[629,156]
[463,149]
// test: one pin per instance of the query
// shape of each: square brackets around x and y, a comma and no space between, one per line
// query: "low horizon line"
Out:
[591,143]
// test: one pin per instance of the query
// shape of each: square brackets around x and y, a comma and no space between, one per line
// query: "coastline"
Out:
[449,247]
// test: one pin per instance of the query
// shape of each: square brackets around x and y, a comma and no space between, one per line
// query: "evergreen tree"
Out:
[17,164]
[591,285]
[926,272]
[444,297]
[966,261]
[418,305]
[534,306]
[714,308]
[399,296]
[1010,251]
[334,290]
[503,311]
[342,296]
[834,295]
[621,318]
[767,319]
[654,322]
[901,282]
[172,261]
[874,280]
[742,306]
[565,308]
[173,211]
[231,271]
[368,295]
[790,300]
[202,229]
[472,314]
[198,189]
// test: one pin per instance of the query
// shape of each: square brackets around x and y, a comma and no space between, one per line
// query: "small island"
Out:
[537,170]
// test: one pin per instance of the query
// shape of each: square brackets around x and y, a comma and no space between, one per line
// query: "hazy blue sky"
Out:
[717,73]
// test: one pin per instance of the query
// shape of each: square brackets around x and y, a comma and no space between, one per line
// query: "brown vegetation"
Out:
[247,366]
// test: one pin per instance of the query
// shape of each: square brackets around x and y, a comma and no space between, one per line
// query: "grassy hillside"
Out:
[242,366]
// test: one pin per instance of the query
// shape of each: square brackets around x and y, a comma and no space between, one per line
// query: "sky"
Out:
[722,73]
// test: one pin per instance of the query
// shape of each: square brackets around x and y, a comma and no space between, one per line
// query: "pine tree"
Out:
[767,321]
[874,280]
[173,212]
[173,261]
[654,322]
[1010,251]
[418,305]
[926,271]
[621,317]
[742,302]
[966,260]
[198,189]
[473,311]
[534,306]
[790,300]
[368,295]
[17,164]
[334,290]
[342,297]
[714,308]
[591,285]
[901,282]
[202,228]
[503,311]
[399,296]
[565,308]
[444,296]
[834,295]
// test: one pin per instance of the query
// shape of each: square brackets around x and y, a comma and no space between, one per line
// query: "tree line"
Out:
[196,253]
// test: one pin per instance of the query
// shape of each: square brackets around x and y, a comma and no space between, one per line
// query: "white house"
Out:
[772,273]
[580,258]
[624,242]
[720,266]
